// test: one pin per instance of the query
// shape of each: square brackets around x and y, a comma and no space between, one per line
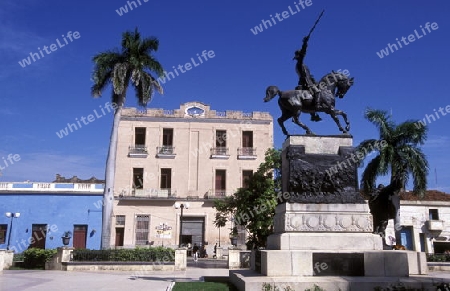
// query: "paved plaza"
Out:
[25,280]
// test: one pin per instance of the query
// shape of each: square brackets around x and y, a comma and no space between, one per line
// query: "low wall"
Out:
[439,266]
[63,261]
[116,266]
[238,259]
[6,259]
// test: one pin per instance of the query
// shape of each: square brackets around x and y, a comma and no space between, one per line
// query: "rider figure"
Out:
[306,81]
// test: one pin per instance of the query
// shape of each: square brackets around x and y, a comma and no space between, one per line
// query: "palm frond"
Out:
[409,133]
[382,121]
[370,174]
[134,63]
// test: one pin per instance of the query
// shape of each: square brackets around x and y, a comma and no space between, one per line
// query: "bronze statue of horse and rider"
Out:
[310,97]
[319,98]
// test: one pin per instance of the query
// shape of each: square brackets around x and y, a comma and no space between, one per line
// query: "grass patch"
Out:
[203,286]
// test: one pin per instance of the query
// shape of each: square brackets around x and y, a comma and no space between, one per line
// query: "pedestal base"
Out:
[323,227]
[342,263]
[325,241]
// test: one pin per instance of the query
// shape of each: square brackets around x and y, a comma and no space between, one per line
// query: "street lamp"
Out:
[182,206]
[11,215]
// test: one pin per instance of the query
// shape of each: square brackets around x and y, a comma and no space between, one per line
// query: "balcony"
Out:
[137,151]
[246,153]
[212,194]
[165,152]
[220,153]
[148,193]
[435,225]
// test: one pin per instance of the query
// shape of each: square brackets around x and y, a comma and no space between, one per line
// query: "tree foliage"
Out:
[132,64]
[401,155]
[254,207]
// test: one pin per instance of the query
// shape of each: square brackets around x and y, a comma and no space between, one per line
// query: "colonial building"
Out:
[38,214]
[425,222]
[178,161]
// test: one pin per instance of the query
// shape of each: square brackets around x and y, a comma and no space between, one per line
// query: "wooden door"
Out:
[120,232]
[79,236]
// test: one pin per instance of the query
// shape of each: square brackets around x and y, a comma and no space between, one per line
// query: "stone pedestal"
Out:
[180,259]
[6,259]
[219,253]
[323,227]
[63,255]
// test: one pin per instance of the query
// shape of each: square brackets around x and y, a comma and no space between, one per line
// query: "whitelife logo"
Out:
[71,127]
[124,9]
[411,38]
[51,48]
[281,16]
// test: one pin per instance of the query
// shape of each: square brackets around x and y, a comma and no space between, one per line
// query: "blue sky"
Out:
[39,99]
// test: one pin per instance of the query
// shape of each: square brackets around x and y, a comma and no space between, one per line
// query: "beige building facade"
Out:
[425,223]
[173,161]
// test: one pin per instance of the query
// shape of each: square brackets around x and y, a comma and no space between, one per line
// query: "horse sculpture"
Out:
[293,102]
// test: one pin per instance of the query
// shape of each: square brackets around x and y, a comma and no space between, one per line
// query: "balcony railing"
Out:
[246,153]
[220,153]
[148,193]
[137,151]
[167,152]
[218,194]
[14,187]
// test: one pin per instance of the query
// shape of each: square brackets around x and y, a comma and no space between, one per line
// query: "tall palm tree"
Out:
[397,152]
[131,65]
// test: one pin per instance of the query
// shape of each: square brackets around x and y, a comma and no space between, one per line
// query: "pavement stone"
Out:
[33,280]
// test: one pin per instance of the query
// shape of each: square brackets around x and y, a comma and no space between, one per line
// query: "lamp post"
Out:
[181,206]
[11,215]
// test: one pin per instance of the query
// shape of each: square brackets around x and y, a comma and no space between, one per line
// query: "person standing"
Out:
[195,252]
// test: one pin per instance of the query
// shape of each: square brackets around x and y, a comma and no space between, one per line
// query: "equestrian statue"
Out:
[309,96]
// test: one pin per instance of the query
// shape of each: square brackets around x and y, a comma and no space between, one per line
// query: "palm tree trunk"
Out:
[108,194]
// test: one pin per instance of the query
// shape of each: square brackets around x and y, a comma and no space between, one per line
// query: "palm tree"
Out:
[397,152]
[133,65]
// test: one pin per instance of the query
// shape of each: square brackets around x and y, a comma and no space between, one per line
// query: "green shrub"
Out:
[315,288]
[35,258]
[438,257]
[157,254]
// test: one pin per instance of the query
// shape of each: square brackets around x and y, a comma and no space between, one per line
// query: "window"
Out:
[221,138]
[3,228]
[220,182]
[220,150]
[434,215]
[138,178]
[166,178]
[247,151]
[167,137]
[247,139]
[142,229]
[139,136]
[246,176]
[38,234]
[120,220]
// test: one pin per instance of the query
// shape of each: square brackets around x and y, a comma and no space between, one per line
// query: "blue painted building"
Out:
[38,214]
